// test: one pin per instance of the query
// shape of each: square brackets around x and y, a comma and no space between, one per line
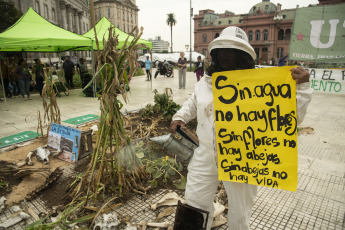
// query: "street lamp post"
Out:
[277,21]
[190,35]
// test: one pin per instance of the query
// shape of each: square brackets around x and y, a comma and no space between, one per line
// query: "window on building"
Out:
[128,28]
[84,26]
[229,21]
[216,35]
[266,7]
[53,14]
[265,35]
[118,25]
[240,21]
[284,16]
[204,38]
[109,13]
[131,18]
[99,13]
[250,35]
[287,34]
[124,27]
[123,14]
[220,22]
[135,17]
[46,11]
[257,35]
[280,52]
[37,7]
[118,14]
[204,52]
[281,34]
[127,16]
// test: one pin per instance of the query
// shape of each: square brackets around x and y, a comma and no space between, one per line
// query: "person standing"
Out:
[13,77]
[199,69]
[68,68]
[39,75]
[82,70]
[182,63]
[24,79]
[147,68]
[6,78]
[230,51]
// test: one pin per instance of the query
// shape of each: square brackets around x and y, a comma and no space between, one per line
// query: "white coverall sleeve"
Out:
[188,110]
[303,97]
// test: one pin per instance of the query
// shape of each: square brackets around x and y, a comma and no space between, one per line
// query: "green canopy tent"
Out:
[102,30]
[32,33]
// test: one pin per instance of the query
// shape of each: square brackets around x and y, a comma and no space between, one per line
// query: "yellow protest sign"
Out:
[256,127]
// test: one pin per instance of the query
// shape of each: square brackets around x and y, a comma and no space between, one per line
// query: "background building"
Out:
[159,46]
[72,15]
[122,13]
[268,28]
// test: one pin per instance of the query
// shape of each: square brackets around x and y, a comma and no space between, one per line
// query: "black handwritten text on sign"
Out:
[256,127]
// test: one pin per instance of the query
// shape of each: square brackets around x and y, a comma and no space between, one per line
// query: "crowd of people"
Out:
[20,79]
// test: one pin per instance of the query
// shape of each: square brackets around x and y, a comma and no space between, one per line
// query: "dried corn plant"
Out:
[114,166]
[51,108]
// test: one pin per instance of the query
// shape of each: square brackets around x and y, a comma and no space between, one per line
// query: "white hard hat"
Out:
[234,38]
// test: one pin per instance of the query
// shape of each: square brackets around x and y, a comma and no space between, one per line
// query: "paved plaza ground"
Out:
[319,202]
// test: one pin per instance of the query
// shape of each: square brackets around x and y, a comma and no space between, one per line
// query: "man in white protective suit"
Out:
[230,51]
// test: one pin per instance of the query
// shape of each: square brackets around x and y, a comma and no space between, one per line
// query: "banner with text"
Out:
[328,80]
[256,127]
[318,34]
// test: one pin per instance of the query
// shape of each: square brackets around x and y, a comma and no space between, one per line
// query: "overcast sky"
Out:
[153,15]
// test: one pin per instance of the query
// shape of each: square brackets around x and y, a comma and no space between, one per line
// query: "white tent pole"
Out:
[151,72]
[93,71]
[3,88]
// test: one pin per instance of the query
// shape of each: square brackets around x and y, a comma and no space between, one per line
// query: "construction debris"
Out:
[106,222]
[166,212]
[169,199]
[18,218]
[305,130]
[219,220]
[218,209]
[2,203]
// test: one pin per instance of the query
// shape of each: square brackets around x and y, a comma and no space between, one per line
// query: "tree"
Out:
[9,15]
[171,21]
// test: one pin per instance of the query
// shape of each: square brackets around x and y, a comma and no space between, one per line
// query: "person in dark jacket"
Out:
[68,67]
[199,69]
[39,75]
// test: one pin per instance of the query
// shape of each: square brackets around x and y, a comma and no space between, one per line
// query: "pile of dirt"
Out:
[9,180]
[26,187]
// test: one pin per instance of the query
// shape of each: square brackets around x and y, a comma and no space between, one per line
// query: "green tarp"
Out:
[81,119]
[102,31]
[32,33]
[318,34]
[17,138]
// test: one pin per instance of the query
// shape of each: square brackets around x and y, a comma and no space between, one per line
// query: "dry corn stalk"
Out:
[51,109]
[111,169]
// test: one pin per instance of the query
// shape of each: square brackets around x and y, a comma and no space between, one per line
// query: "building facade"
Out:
[159,45]
[72,15]
[268,28]
[121,13]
